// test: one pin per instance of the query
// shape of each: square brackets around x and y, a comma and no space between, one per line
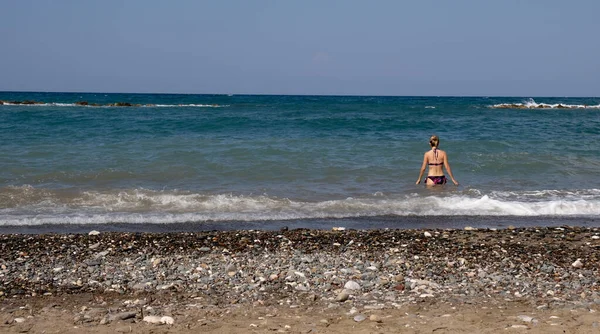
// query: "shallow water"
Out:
[221,161]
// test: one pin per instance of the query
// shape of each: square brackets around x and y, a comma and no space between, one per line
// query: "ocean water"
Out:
[194,162]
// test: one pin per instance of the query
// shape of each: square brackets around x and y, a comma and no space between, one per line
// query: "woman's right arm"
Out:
[423,167]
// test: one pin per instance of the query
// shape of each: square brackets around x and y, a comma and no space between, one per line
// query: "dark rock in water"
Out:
[82,103]
[30,102]
[1,102]
[121,104]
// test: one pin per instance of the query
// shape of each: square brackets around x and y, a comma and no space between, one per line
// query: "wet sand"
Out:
[303,281]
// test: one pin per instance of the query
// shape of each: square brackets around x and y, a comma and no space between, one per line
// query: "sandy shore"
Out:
[303,281]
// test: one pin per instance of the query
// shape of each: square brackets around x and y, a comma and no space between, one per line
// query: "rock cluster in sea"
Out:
[541,106]
[79,103]
[371,268]
[85,103]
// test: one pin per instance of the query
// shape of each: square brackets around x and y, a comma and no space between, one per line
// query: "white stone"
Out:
[525,318]
[19,320]
[595,237]
[154,319]
[427,234]
[519,326]
[352,285]
[94,232]
[359,318]
[577,264]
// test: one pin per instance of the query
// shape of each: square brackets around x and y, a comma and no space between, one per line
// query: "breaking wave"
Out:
[531,104]
[27,205]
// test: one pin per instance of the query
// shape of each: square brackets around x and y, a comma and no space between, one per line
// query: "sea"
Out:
[76,162]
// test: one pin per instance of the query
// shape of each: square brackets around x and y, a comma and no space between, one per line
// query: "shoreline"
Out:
[238,275]
[350,223]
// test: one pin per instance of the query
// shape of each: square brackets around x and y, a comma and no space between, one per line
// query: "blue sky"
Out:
[488,48]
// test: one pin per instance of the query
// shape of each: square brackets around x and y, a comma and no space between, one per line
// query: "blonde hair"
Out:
[434,141]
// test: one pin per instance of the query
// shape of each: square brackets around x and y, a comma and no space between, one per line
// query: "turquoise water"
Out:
[229,160]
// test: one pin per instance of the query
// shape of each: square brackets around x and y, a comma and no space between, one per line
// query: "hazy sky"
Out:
[417,47]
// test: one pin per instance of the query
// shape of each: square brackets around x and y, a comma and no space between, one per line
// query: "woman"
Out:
[437,160]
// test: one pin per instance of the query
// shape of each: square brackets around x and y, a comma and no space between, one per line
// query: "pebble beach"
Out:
[301,280]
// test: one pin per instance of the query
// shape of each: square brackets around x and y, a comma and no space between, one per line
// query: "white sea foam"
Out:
[30,206]
[531,104]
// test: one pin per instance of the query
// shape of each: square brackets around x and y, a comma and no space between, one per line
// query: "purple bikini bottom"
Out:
[438,179]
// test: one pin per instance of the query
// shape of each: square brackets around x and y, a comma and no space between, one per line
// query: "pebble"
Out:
[525,318]
[379,267]
[352,285]
[342,296]
[375,318]
[154,319]
[359,317]
[94,232]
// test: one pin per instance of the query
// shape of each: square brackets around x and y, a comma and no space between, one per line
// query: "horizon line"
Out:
[273,94]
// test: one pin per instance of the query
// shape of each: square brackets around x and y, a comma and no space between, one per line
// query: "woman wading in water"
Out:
[436,159]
